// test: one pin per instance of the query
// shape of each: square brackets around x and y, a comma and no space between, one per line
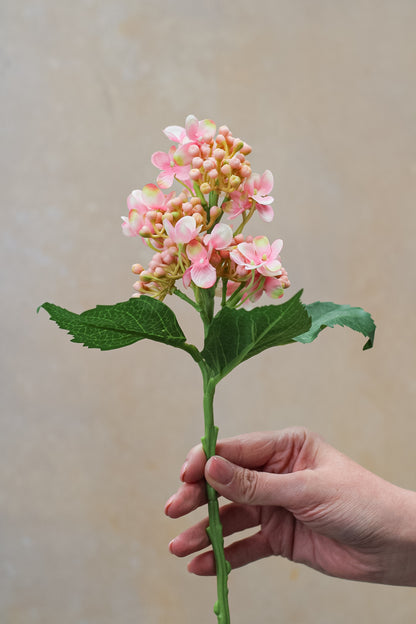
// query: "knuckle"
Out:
[248,485]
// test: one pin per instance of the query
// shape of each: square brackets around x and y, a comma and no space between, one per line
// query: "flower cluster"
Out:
[185,231]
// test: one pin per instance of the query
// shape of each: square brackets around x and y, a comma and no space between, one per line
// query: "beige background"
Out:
[91,443]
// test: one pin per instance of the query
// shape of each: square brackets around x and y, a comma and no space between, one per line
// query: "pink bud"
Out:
[138,285]
[224,130]
[137,268]
[224,253]
[197,162]
[209,164]
[238,239]
[187,208]
[193,150]
[199,220]
[214,212]
[219,154]
[205,188]
[158,228]
[194,174]
[220,139]
[213,174]
[160,272]
[245,171]
[235,163]
[226,170]
[205,150]
[169,216]
[195,200]
[145,232]
[246,149]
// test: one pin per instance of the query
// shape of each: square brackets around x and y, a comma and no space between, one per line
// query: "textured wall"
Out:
[91,443]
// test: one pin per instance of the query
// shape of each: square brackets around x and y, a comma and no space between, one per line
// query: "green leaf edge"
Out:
[325,320]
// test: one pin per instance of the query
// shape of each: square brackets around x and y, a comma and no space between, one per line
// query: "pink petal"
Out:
[270,269]
[264,200]
[175,133]
[191,127]
[276,247]
[186,277]
[220,237]
[207,129]
[165,178]
[186,230]
[237,257]
[266,182]
[160,160]
[203,275]
[195,251]
[182,155]
[266,212]
[152,195]
[261,245]
[248,252]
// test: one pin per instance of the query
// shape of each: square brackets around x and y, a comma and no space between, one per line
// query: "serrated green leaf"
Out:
[236,335]
[328,314]
[113,326]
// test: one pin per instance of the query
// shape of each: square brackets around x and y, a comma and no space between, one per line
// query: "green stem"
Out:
[214,530]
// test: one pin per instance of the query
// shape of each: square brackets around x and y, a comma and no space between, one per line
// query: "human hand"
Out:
[313,505]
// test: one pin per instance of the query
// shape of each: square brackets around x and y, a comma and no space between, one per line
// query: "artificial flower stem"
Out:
[214,530]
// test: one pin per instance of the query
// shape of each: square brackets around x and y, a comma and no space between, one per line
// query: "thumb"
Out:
[252,487]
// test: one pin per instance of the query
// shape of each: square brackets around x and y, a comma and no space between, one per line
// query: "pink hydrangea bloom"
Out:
[139,203]
[258,188]
[183,231]
[201,272]
[220,237]
[259,255]
[239,202]
[169,169]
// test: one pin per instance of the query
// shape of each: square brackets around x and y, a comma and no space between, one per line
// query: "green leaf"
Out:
[113,326]
[328,314]
[236,335]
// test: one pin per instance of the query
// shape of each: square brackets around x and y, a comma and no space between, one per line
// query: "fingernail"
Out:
[221,470]
[183,470]
[168,503]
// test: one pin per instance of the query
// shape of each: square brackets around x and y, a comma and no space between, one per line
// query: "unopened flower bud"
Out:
[145,276]
[245,171]
[220,139]
[238,239]
[205,188]
[187,208]
[138,285]
[205,150]
[214,212]
[169,216]
[213,174]
[160,272]
[194,150]
[194,174]
[195,200]
[235,181]
[137,268]
[238,145]
[197,162]
[224,253]
[199,220]
[145,232]
[224,130]
[235,163]
[209,164]
[218,154]
[226,170]
[246,149]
